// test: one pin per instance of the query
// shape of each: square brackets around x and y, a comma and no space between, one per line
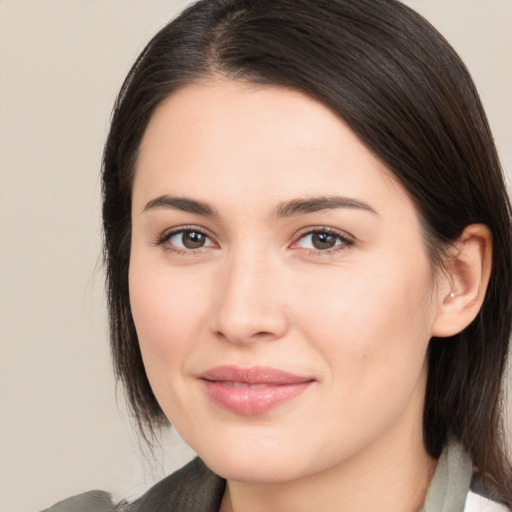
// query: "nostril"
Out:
[262,334]
[246,335]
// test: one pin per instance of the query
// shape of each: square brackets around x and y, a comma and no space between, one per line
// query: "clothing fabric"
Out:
[450,488]
[91,501]
[194,488]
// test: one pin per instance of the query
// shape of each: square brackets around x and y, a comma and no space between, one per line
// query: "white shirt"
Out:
[477,503]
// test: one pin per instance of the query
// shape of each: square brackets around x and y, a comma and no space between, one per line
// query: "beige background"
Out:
[61,64]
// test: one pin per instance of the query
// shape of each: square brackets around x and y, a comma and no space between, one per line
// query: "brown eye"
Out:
[187,239]
[193,239]
[323,241]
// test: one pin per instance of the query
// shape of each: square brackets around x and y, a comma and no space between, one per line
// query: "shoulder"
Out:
[92,501]
[478,503]
[483,497]
[193,488]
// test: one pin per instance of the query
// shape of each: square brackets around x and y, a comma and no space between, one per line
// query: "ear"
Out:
[463,283]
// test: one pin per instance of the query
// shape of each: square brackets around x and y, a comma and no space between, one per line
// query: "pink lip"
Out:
[254,390]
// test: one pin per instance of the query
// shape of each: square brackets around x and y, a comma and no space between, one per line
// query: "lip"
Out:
[251,391]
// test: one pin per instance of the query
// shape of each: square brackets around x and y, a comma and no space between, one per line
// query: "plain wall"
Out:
[61,64]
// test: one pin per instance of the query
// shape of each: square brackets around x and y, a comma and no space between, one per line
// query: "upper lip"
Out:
[253,375]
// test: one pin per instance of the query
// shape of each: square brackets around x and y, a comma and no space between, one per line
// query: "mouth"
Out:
[251,391]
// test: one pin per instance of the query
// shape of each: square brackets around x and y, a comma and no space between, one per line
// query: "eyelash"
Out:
[164,239]
[345,240]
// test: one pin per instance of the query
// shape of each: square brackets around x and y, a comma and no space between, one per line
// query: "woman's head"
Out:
[266,238]
[409,101]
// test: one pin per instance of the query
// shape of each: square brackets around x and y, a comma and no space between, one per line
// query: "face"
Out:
[279,283]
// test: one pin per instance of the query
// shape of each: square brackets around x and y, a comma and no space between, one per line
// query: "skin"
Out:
[356,318]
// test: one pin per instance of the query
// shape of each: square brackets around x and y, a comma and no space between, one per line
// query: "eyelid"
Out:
[168,233]
[347,240]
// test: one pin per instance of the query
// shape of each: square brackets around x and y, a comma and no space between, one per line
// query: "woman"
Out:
[307,238]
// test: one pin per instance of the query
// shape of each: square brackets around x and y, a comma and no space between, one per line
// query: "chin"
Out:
[255,470]
[263,461]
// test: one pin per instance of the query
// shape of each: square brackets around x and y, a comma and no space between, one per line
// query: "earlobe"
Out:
[465,279]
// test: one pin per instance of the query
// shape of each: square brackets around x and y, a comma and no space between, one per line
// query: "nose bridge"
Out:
[249,305]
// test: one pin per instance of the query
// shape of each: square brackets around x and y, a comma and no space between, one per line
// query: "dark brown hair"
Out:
[404,91]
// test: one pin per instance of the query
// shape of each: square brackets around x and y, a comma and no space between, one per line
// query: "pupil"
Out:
[323,241]
[193,239]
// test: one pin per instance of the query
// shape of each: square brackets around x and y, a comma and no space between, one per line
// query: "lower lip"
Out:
[254,399]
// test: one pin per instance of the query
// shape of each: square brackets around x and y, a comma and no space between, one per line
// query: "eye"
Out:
[186,239]
[323,240]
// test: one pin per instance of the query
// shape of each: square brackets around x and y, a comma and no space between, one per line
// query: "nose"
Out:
[250,305]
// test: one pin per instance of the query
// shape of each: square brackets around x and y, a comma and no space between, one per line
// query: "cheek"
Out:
[372,337]
[371,325]
[167,313]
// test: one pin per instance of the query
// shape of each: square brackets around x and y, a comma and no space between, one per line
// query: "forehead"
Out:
[224,138]
[223,112]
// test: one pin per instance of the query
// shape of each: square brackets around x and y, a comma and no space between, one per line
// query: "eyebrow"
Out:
[315,204]
[183,204]
[286,209]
